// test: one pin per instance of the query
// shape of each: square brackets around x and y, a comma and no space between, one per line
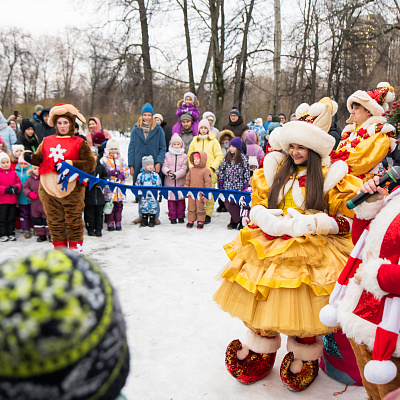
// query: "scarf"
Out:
[202,136]
[175,151]
[145,129]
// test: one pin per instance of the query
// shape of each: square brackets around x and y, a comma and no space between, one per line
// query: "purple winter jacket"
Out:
[32,185]
[194,112]
[253,149]
[177,164]
[8,177]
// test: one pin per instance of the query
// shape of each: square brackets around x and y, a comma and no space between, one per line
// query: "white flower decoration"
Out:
[57,153]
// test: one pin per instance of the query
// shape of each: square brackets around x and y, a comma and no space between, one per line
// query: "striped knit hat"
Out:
[62,332]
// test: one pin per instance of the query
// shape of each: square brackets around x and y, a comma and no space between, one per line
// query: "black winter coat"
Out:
[167,131]
[95,196]
[336,132]
[29,143]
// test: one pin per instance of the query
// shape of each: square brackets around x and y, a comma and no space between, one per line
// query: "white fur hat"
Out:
[375,100]
[112,144]
[310,131]
[191,95]
[4,155]
[16,147]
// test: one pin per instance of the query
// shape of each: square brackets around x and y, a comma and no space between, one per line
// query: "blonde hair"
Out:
[153,123]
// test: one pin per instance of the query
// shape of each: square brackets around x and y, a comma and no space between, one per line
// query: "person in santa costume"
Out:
[285,263]
[63,208]
[369,311]
[368,138]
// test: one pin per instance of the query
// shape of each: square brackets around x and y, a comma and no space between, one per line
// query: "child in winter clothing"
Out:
[252,142]
[27,136]
[174,169]
[39,218]
[187,134]
[198,176]
[210,117]
[94,201]
[24,171]
[188,105]
[205,141]
[148,205]
[16,151]
[117,170]
[234,175]
[10,185]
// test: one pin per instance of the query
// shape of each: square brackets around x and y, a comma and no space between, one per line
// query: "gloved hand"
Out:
[159,197]
[325,225]
[246,186]
[172,176]
[220,183]
[27,154]
[121,176]
[185,111]
[33,195]
[9,190]
[189,112]
[113,172]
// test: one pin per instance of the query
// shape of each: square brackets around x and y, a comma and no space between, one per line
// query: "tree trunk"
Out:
[188,47]
[148,72]
[200,89]
[277,54]
[240,67]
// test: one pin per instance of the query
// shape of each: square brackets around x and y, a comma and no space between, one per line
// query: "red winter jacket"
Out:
[8,177]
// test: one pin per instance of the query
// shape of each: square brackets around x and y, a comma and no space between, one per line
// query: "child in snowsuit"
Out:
[174,169]
[24,171]
[234,175]
[10,185]
[148,205]
[31,192]
[188,105]
[117,170]
[198,176]
[94,201]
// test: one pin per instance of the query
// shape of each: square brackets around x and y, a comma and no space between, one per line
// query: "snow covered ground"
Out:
[165,277]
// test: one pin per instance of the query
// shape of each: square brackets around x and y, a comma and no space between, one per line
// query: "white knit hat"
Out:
[4,155]
[112,144]
[16,147]
[158,116]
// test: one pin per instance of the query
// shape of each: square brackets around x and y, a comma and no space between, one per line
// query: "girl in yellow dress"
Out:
[285,263]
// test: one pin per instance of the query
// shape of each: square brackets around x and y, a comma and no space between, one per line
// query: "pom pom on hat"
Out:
[99,138]
[16,147]
[147,108]
[159,116]
[302,109]
[380,372]
[236,142]
[66,326]
[328,315]
[235,111]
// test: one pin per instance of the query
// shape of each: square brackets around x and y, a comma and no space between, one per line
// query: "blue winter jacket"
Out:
[6,133]
[140,147]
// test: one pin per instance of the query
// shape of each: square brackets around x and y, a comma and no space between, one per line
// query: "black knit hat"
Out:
[25,124]
[62,332]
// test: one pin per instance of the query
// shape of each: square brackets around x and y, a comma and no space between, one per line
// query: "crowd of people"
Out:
[294,240]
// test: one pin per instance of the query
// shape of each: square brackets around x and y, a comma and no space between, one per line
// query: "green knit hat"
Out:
[62,332]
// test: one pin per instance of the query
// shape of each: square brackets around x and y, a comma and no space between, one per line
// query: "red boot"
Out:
[300,366]
[253,361]
[63,243]
[76,245]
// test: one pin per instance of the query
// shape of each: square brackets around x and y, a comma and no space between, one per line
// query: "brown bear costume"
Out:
[63,208]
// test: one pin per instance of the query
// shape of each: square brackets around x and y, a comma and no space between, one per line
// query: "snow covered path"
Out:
[165,277]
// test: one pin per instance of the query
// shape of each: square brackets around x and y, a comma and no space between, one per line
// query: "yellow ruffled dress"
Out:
[280,285]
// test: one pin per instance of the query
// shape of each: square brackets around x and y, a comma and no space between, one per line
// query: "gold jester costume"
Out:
[285,263]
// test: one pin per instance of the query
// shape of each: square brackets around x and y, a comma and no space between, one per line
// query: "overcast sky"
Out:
[44,16]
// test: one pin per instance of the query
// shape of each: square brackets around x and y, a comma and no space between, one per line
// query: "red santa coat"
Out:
[364,307]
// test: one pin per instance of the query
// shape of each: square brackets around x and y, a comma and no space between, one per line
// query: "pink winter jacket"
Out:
[177,164]
[8,177]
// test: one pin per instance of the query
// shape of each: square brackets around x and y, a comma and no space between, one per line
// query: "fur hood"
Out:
[181,101]
[225,132]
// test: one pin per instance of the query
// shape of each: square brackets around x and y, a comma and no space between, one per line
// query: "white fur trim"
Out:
[262,344]
[324,224]
[335,107]
[383,84]
[325,161]
[316,109]
[305,134]
[328,315]
[270,165]
[369,276]
[302,109]
[369,211]
[305,352]
[274,139]
[380,372]
[363,98]
[336,173]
